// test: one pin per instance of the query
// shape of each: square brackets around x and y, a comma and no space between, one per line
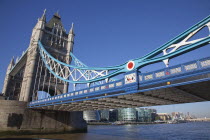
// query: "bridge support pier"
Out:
[15,117]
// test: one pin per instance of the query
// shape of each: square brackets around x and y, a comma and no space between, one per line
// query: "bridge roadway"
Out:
[183,83]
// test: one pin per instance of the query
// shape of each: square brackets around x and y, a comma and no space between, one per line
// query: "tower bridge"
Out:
[49,65]
[183,83]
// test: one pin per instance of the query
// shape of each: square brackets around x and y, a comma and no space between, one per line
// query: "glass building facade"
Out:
[127,114]
[136,114]
[122,114]
[146,114]
[104,115]
[90,116]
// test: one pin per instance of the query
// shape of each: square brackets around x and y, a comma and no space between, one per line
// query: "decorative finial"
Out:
[44,11]
[43,18]
[56,14]
[12,61]
[72,25]
[17,59]
[72,29]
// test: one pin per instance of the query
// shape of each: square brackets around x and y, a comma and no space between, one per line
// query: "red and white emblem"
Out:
[130,65]
[130,78]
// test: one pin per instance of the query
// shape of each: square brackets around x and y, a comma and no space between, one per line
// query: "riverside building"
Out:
[146,114]
[91,116]
[136,114]
[127,114]
[104,115]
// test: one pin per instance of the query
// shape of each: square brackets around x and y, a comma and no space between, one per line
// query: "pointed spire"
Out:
[43,18]
[12,62]
[72,29]
[17,59]
[57,15]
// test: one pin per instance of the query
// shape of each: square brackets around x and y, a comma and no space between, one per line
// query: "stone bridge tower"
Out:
[28,76]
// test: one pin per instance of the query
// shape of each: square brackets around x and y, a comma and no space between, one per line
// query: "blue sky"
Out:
[107,32]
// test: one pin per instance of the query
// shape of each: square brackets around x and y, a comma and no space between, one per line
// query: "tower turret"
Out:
[59,44]
[70,40]
[70,44]
[11,64]
[7,77]
[43,18]
[32,56]
[37,30]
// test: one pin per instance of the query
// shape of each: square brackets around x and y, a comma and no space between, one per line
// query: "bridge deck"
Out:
[184,83]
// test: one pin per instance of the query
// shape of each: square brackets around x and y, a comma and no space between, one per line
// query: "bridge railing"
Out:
[175,70]
[114,86]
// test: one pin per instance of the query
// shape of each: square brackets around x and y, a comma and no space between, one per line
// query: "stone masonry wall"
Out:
[14,116]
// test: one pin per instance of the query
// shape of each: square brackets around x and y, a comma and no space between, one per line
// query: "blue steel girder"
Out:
[184,74]
[190,73]
[178,38]
[179,44]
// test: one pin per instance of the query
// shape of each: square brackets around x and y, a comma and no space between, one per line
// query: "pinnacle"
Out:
[57,15]
[43,18]
[72,29]
[12,61]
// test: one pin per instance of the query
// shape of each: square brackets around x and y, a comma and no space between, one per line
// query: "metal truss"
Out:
[80,73]
[184,42]
[89,74]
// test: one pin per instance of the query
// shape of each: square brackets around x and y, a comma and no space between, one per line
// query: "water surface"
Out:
[182,131]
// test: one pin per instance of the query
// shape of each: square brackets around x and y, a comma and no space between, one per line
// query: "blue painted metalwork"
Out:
[177,38]
[119,87]
[139,62]
[77,61]
[133,81]
[119,69]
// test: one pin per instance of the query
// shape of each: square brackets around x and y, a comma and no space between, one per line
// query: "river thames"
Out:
[182,131]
